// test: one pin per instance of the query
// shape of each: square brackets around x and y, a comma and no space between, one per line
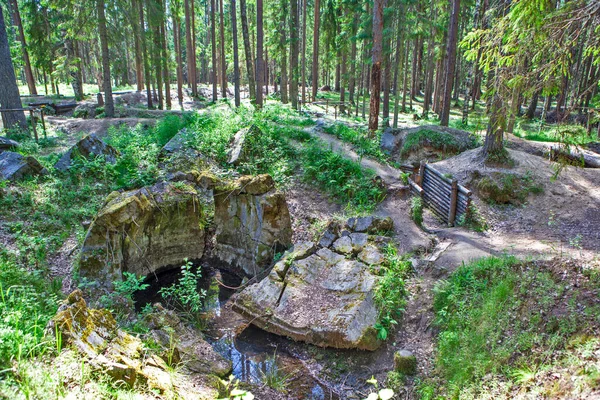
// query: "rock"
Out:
[142,231]
[8,144]
[252,224]
[85,110]
[323,299]
[239,150]
[113,352]
[343,245]
[359,241]
[88,147]
[185,345]
[370,255]
[178,156]
[370,224]
[405,362]
[14,166]
[327,238]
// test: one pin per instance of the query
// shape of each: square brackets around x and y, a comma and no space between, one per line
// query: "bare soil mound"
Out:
[565,210]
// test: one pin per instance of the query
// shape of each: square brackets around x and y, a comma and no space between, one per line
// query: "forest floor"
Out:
[559,222]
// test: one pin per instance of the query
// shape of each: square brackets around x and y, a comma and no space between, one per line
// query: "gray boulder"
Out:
[14,166]
[323,299]
[252,223]
[89,147]
[7,144]
[238,151]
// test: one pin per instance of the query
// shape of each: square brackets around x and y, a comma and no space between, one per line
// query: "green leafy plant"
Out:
[390,292]
[230,389]
[184,295]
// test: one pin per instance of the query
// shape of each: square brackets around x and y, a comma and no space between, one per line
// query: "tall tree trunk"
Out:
[236,61]
[213,42]
[21,35]
[139,69]
[352,80]
[495,130]
[398,62]
[283,48]
[260,67]
[177,44]
[9,91]
[376,65]
[295,50]
[190,50]
[530,114]
[145,54]
[165,57]
[248,52]
[315,65]
[74,67]
[109,106]
[405,77]
[414,73]
[451,52]
[223,58]
[304,51]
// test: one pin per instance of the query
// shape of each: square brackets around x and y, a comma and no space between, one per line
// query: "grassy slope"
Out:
[504,325]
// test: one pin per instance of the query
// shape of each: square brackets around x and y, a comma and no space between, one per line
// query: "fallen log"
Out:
[582,158]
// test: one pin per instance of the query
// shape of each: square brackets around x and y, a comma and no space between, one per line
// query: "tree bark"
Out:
[304,52]
[451,63]
[236,60]
[190,50]
[165,57]
[9,91]
[223,58]
[260,68]
[376,65]
[179,59]
[495,130]
[315,66]
[294,51]
[21,35]
[213,42]
[109,107]
[139,69]
[145,54]
[248,52]
[283,48]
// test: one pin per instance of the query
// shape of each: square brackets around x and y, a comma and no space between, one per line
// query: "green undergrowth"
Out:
[364,145]
[444,142]
[390,293]
[27,302]
[57,204]
[506,188]
[499,317]
[345,180]
[572,134]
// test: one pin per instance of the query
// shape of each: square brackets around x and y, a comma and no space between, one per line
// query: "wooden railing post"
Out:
[33,124]
[421,173]
[453,201]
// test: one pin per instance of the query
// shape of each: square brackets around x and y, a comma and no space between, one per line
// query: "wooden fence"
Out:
[445,197]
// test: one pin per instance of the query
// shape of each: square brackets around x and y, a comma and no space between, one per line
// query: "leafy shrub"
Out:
[390,294]
[365,145]
[184,295]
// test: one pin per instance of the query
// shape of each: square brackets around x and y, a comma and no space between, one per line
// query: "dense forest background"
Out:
[539,58]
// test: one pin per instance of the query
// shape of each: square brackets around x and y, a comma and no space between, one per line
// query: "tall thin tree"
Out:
[236,61]
[109,106]
[21,35]
[450,63]
[376,65]
[248,52]
[260,67]
[9,91]
[315,65]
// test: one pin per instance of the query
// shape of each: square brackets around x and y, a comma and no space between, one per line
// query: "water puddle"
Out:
[258,357]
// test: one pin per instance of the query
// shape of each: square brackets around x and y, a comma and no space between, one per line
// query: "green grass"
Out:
[444,142]
[359,137]
[498,315]
[345,180]
[504,188]
[27,302]
[567,133]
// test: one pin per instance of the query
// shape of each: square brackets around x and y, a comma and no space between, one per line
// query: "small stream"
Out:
[254,353]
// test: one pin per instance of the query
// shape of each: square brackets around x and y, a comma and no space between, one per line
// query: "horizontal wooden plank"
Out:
[438,181]
[437,187]
[429,168]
